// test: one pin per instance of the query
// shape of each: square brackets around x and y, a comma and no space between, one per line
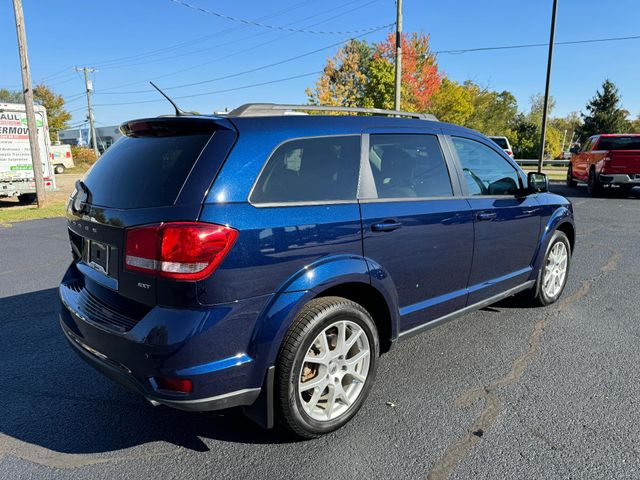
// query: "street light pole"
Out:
[546,88]
[36,159]
[398,79]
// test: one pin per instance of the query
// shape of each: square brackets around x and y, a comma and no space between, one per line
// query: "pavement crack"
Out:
[492,406]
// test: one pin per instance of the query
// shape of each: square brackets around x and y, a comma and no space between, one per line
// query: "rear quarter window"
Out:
[310,170]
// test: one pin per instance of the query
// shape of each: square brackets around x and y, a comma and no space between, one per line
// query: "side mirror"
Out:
[574,149]
[537,182]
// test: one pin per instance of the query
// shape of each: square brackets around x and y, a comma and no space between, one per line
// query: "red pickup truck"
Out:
[611,159]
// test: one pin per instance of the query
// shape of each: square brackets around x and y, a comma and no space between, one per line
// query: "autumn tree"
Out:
[344,78]
[420,75]
[605,114]
[363,75]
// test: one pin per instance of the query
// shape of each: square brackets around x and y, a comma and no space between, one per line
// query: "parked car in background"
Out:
[605,161]
[266,260]
[503,143]
[61,158]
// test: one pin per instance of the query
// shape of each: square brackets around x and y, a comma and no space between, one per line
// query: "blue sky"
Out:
[164,41]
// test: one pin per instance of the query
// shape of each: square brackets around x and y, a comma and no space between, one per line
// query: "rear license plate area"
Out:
[99,256]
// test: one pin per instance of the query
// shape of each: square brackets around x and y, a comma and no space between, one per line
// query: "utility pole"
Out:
[89,88]
[546,88]
[398,82]
[36,159]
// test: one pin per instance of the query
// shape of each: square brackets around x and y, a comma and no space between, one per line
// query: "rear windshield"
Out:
[619,143]
[148,167]
[502,142]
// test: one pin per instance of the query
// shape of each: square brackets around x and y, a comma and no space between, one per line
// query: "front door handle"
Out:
[486,216]
[386,226]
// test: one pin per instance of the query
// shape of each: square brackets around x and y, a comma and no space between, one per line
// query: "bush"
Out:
[82,155]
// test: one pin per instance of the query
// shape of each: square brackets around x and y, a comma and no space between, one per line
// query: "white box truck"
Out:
[16,169]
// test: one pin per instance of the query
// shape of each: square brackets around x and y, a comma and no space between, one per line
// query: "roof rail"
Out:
[274,109]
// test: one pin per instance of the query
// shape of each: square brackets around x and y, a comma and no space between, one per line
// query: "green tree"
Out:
[604,113]
[11,96]
[57,116]
[635,125]
[493,111]
[526,131]
[453,103]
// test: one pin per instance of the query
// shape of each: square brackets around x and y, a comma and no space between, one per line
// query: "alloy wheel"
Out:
[334,370]
[555,271]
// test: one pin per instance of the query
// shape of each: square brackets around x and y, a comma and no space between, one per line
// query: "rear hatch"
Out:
[624,154]
[160,171]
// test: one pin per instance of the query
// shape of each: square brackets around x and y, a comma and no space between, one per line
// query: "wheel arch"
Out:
[560,220]
[355,278]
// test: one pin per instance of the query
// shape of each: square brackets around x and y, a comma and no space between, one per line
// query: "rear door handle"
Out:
[386,226]
[486,216]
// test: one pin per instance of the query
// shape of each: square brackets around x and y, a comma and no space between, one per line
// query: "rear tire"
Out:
[27,198]
[59,169]
[317,397]
[594,188]
[570,181]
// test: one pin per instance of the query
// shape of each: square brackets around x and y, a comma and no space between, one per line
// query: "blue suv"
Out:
[265,259]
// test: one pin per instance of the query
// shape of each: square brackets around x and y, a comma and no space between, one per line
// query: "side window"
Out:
[485,171]
[406,166]
[588,144]
[310,170]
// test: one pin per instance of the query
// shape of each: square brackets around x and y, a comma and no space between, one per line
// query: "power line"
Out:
[279,80]
[104,63]
[532,45]
[109,91]
[264,25]
[262,67]
[233,41]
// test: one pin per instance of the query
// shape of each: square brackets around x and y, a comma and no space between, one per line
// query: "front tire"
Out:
[59,169]
[326,366]
[554,270]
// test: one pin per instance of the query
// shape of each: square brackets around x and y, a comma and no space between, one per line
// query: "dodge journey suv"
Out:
[265,260]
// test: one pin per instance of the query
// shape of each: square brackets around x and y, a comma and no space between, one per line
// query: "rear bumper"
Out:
[207,346]
[122,375]
[620,178]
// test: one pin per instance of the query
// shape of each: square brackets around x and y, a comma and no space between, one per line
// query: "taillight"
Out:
[180,250]
[510,153]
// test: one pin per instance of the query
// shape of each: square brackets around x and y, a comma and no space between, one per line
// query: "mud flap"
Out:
[262,410]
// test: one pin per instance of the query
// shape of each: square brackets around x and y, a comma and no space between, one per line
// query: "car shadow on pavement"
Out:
[581,192]
[51,398]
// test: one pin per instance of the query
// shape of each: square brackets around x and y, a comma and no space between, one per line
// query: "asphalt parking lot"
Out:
[505,392]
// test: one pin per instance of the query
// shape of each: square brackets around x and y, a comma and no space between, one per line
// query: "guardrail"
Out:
[527,162]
